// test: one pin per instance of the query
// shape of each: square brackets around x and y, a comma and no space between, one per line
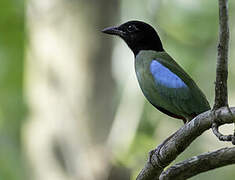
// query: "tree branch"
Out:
[181,140]
[221,93]
[199,164]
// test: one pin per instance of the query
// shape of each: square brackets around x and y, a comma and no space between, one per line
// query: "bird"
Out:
[162,80]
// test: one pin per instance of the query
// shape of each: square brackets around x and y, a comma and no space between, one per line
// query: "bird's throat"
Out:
[153,44]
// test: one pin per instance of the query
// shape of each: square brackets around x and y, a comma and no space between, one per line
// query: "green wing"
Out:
[186,100]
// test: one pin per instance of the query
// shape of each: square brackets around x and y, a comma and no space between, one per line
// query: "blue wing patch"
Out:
[164,76]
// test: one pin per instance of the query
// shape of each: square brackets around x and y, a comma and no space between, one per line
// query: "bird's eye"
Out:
[131,28]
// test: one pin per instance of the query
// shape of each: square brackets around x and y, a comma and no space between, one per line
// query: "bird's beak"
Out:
[113,31]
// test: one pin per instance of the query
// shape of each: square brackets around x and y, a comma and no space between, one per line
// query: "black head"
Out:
[138,36]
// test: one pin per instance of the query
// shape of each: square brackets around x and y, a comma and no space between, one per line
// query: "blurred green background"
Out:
[70,105]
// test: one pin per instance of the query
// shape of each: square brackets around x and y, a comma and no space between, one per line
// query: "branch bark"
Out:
[221,92]
[199,164]
[181,140]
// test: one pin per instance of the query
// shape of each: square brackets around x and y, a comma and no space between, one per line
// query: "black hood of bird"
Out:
[138,35]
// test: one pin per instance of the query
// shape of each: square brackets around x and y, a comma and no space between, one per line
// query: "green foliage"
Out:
[11,91]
